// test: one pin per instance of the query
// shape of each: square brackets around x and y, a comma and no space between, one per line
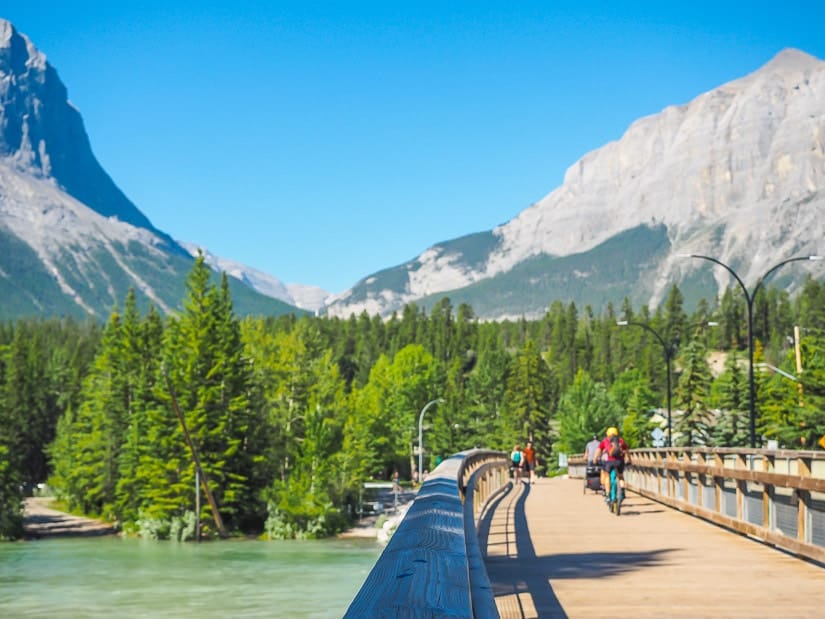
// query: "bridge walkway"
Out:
[554,551]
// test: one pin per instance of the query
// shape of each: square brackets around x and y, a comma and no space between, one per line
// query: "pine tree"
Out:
[11,507]
[530,401]
[486,387]
[811,414]
[633,396]
[729,393]
[693,425]
[25,413]
[203,360]
[586,408]
[143,340]
[86,458]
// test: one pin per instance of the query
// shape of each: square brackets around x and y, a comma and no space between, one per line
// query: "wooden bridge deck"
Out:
[553,551]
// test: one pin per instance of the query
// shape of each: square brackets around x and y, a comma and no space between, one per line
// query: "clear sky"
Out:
[320,142]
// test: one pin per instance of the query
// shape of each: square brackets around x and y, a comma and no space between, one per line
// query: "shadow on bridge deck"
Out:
[553,551]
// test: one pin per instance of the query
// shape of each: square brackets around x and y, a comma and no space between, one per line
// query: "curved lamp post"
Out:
[421,437]
[749,297]
[670,350]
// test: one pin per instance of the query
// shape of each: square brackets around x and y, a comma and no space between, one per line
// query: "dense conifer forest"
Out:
[290,415]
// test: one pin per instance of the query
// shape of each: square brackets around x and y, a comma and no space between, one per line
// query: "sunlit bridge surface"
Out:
[554,550]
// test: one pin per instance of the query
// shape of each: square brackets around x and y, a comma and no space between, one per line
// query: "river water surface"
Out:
[127,578]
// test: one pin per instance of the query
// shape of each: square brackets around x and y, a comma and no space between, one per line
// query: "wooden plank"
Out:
[650,562]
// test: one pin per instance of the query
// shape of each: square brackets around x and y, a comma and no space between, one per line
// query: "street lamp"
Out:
[421,437]
[749,297]
[670,350]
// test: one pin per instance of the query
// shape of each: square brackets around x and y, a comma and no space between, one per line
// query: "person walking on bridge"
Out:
[530,462]
[517,462]
[590,449]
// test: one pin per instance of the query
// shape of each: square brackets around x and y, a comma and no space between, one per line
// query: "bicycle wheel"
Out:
[614,492]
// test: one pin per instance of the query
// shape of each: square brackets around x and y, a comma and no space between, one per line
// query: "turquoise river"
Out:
[126,578]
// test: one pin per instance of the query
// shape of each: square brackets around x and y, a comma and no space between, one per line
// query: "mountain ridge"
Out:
[739,167]
[736,172]
[74,243]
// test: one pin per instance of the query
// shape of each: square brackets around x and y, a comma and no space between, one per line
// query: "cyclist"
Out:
[616,458]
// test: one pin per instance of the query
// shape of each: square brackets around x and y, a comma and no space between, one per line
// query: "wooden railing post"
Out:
[803,534]
[768,494]
[741,487]
[700,480]
[719,483]
[685,474]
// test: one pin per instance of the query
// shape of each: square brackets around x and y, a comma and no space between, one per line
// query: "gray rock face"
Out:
[70,242]
[738,174]
[42,133]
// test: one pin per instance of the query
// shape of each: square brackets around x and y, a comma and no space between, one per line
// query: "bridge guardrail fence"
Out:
[432,564]
[775,496]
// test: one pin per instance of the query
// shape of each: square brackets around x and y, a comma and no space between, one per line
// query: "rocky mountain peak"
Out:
[737,173]
[791,59]
[42,133]
[21,52]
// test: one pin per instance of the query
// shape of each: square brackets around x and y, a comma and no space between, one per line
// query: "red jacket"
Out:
[605,447]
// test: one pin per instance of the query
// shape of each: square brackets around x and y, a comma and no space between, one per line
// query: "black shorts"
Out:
[609,465]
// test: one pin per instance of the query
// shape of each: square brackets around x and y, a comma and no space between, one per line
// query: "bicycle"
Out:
[616,494]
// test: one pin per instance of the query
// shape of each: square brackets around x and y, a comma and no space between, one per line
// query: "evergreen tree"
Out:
[531,400]
[586,408]
[486,387]
[204,363]
[143,341]
[693,424]
[810,304]
[632,395]
[729,393]
[26,412]
[811,410]
[441,330]
[675,318]
[86,457]
[11,507]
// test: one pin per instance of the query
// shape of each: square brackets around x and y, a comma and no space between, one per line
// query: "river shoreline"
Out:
[40,521]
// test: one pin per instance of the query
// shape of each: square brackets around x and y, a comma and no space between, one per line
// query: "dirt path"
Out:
[41,521]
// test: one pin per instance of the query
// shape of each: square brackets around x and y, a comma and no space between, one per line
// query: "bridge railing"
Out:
[776,496]
[432,564]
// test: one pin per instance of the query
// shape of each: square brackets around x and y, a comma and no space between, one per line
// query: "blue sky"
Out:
[322,141]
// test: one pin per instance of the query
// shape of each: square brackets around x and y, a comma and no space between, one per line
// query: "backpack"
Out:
[615,449]
[516,457]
